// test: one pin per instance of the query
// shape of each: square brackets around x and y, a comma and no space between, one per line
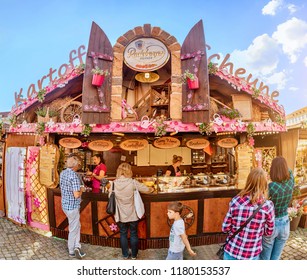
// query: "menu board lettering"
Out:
[244,154]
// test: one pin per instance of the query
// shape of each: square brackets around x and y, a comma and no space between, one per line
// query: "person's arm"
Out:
[186,242]
[100,176]
[226,226]
[270,220]
[76,186]
[78,194]
[141,187]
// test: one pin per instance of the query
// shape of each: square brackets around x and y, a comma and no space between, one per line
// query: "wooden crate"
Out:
[243,103]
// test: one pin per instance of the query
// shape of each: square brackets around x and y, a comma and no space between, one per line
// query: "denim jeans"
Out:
[134,240]
[227,257]
[174,256]
[74,227]
[273,245]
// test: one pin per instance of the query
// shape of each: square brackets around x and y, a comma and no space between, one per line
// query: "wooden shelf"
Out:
[159,93]
[164,105]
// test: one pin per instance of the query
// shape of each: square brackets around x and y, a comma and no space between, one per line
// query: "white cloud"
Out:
[260,58]
[278,79]
[271,7]
[293,88]
[292,35]
[305,61]
[292,8]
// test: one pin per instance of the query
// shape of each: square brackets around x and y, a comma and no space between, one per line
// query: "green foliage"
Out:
[87,129]
[204,128]
[13,120]
[230,113]
[53,113]
[279,119]
[250,129]
[187,75]
[212,68]
[160,126]
[42,112]
[1,128]
[80,68]
[41,95]
[256,92]
[99,71]
[296,191]
[40,128]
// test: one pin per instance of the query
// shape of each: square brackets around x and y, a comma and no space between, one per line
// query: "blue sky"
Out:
[267,38]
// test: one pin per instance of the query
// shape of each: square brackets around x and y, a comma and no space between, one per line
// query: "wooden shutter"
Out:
[100,53]
[195,103]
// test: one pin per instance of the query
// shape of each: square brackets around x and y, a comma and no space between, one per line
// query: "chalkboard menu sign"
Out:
[244,155]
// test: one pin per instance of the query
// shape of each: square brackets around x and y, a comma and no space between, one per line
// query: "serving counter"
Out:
[203,213]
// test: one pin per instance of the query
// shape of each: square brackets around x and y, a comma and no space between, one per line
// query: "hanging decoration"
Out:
[127,110]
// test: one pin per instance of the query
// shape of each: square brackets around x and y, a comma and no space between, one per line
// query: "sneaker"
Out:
[133,258]
[79,254]
[73,255]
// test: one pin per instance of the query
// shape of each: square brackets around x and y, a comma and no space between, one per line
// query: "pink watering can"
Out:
[145,122]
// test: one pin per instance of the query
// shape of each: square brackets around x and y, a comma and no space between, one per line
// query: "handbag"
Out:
[220,252]
[111,205]
[138,203]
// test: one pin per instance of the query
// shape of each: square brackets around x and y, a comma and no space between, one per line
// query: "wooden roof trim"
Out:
[56,86]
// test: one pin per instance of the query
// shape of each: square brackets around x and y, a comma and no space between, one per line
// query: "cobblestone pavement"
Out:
[22,243]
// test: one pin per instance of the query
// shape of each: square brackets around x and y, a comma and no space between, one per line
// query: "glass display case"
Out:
[201,182]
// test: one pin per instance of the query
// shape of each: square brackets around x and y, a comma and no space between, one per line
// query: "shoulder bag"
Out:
[220,252]
[138,203]
[111,205]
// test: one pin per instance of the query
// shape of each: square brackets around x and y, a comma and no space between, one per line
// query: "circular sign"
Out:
[198,143]
[227,142]
[100,145]
[70,142]
[146,54]
[166,143]
[133,144]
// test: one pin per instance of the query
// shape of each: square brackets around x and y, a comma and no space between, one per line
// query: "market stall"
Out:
[156,99]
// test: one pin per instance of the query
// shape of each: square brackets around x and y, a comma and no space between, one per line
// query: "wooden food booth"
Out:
[160,99]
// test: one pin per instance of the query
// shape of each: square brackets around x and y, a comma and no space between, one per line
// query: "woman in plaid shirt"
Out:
[247,244]
[280,192]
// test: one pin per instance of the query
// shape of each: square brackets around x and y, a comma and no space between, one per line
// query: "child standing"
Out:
[178,238]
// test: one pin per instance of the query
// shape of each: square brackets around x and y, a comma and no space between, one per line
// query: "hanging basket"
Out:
[193,84]
[46,118]
[97,80]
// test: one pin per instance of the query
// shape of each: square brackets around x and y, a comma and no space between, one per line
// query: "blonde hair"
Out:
[176,158]
[124,169]
[256,185]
